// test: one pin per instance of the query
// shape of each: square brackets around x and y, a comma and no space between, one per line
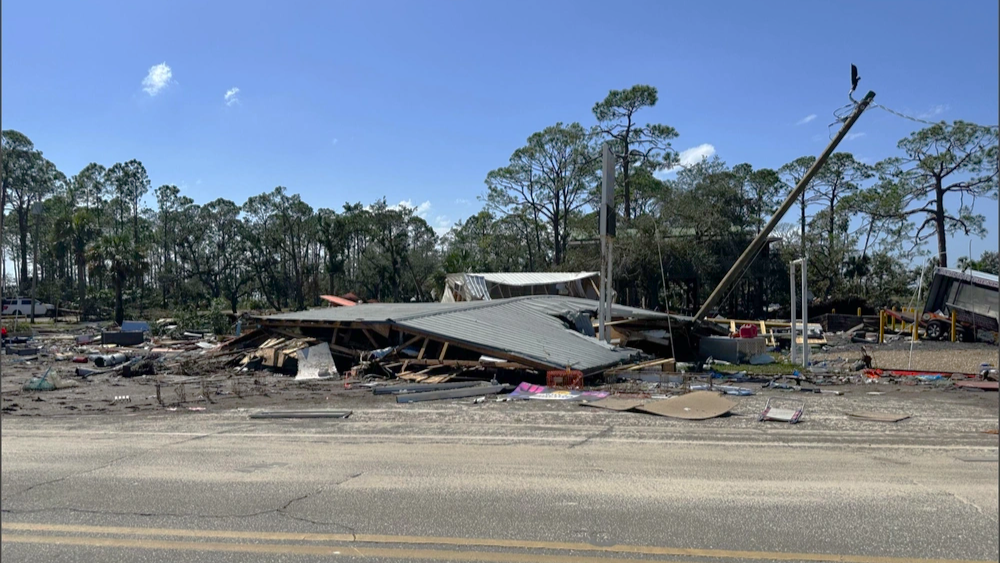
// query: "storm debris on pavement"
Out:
[781,414]
[698,405]
[878,416]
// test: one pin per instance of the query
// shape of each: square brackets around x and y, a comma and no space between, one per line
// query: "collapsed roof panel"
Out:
[517,329]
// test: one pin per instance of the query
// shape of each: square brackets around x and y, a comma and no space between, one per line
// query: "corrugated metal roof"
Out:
[526,327]
[519,329]
[529,278]
[373,312]
[376,312]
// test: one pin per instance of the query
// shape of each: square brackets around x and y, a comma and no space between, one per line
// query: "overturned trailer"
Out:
[539,333]
[973,297]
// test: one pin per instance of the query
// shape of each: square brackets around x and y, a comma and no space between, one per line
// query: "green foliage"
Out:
[941,163]
[635,146]
[547,181]
[102,251]
[211,319]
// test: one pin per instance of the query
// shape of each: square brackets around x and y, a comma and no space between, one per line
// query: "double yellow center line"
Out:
[376,546]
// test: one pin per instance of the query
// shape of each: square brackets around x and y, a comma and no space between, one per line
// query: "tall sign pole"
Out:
[607,230]
[36,212]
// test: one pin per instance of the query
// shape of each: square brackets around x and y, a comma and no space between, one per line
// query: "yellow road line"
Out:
[293,549]
[457,542]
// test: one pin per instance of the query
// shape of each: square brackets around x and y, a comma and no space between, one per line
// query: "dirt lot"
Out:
[953,357]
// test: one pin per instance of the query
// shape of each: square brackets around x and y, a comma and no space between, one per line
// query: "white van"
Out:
[21,306]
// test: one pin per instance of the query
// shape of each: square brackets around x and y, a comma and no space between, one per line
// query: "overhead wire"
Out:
[666,294]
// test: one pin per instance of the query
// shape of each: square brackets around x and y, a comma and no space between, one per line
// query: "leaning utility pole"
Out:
[607,229]
[751,252]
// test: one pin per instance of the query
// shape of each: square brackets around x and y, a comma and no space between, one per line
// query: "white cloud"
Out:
[463,201]
[688,157]
[232,96]
[807,119]
[158,78]
[934,111]
[419,210]
[852,136]
[441,223]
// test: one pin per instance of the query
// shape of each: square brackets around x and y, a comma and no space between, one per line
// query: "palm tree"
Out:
[115,255]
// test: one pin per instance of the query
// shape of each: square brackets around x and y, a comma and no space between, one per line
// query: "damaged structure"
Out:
[538,333]
[484,287]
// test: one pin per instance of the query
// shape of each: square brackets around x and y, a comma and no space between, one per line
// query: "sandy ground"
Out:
[954,357]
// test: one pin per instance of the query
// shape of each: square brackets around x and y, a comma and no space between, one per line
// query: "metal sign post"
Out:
[791,321]
[801,262]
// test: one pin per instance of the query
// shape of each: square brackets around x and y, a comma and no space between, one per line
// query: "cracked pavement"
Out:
[514,472]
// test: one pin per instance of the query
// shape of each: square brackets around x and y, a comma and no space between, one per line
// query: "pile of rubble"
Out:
[516,338]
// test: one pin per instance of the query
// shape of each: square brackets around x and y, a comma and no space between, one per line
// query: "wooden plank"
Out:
[649,364]
[444,350]
[382,329]
[344,350]
[407,344]
[467,363]
[423,349]
[370,338]
[336,332]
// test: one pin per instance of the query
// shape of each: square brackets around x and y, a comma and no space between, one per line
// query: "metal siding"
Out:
[535,278]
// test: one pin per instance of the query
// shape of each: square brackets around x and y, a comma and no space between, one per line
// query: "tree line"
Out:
[101,249]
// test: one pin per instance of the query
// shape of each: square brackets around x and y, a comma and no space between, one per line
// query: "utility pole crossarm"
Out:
[758,242]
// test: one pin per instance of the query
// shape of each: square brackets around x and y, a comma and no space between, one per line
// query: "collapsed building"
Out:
[538,333]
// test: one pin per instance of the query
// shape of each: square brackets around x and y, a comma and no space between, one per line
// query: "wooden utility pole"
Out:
[748,255]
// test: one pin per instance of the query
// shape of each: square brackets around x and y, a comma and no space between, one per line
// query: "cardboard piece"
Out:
[878,416]
[615,404]
[698,405]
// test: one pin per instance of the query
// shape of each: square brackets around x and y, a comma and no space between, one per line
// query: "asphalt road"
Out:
[508,483]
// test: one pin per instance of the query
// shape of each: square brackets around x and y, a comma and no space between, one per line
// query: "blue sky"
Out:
[417,101]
